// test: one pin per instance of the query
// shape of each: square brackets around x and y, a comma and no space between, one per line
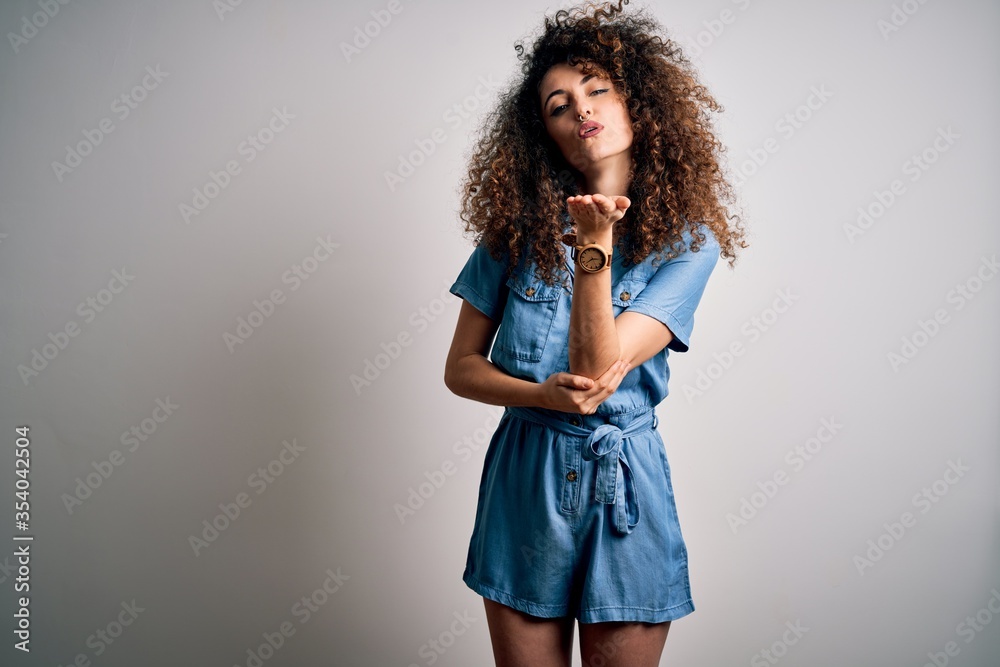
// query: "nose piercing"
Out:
[581,116]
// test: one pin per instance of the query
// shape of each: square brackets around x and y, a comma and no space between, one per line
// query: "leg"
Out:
[620,644]
[522,640]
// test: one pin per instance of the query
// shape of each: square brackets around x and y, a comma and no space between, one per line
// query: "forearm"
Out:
[593,334]
[478,379]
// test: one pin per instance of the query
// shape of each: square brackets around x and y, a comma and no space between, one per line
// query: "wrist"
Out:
[537,397]
[602,237]
[592,256]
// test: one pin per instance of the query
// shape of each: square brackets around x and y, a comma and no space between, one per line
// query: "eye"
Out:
[558,109]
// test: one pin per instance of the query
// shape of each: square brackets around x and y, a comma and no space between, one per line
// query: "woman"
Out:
[598,168]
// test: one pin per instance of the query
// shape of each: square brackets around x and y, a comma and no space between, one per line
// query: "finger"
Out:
[605,204]
[597,390]
[621,377]
[608,376]
[621,370]
[609,382]
[616,368]
[574,381]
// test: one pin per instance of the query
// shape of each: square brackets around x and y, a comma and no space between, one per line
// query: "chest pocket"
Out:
[527,319]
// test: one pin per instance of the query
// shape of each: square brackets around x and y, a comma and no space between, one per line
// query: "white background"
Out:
[163,336]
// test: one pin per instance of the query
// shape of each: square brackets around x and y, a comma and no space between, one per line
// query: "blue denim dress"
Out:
[576,513]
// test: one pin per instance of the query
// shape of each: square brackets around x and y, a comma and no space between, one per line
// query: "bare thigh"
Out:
[620,644]
[522,640]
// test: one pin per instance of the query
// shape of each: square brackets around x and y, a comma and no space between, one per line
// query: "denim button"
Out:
[571,475]
[574,421]
[529,291]
[625,296]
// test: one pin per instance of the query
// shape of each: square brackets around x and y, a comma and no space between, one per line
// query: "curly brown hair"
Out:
[514,196]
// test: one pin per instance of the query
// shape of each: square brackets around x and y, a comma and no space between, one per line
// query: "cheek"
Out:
[626,124]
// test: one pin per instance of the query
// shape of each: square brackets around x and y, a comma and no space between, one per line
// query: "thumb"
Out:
[622,202]
[581,382]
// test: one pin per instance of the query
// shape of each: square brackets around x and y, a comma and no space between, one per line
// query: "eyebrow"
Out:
[557,92]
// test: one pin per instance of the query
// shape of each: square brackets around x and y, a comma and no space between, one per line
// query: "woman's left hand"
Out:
[596,213]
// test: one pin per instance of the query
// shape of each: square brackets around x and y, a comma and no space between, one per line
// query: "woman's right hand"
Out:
[567,392]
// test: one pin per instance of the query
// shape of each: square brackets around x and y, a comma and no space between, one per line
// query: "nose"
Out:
[582,108]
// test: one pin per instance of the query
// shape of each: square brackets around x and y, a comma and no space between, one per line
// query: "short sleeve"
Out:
[675,289]
[482,282]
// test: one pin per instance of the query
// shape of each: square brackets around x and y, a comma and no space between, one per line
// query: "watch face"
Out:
[592,259]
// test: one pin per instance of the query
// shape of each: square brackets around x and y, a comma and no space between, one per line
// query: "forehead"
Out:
[563,75]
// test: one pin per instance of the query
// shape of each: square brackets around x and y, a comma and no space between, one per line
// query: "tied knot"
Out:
[615,480]
[615,483]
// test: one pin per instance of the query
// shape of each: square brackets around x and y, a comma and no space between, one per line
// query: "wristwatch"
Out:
[591,257]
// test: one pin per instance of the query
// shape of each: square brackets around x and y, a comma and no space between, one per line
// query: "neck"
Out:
[607,179]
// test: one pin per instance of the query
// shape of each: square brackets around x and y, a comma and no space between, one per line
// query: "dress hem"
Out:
[589,615]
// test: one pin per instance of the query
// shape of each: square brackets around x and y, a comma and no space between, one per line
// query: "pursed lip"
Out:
[587,125]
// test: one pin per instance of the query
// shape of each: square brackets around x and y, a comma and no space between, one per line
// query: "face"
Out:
[566,93]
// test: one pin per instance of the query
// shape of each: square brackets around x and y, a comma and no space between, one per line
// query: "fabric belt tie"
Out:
[615,483]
